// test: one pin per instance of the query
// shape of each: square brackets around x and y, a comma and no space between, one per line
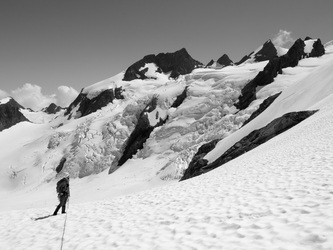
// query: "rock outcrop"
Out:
[88,106]
[140,134]
[52,109]
[200,166]
[224,61]
[180,99]
[177,63]
[198,162]
[267,52]
[244,58]
[318,49]
[61,165]
[273,68]
[10,114]
[211,62]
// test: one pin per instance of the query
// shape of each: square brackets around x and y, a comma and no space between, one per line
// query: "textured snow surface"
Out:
[278,196]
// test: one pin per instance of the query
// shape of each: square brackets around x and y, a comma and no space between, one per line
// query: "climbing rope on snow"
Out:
[63,232]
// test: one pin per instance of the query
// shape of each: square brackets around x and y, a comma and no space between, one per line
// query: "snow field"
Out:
[277,196]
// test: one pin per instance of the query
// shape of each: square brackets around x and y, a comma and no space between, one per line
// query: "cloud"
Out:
[283,38]
[3,94]
[31,96]
[65,96]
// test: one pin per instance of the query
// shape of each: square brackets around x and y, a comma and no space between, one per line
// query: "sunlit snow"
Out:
[5,100]
[277,196]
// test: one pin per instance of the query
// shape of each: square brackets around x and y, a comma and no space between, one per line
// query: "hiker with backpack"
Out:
[63,193]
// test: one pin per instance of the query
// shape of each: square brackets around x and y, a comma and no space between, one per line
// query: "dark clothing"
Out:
[63,194]
[63,186]
[63,199]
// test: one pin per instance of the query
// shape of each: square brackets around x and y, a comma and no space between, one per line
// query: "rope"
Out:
[63,232]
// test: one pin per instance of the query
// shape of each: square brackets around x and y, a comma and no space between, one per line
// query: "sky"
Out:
[52,49]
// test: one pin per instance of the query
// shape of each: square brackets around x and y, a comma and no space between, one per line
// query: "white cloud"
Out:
[65,96]
[283,38]
[3,94]
[31,96]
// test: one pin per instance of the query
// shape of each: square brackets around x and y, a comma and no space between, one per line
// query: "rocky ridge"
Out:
[175,64]
[10,114]
[86,106]
[200,166]
[224,61]
[266,52]
[274,67]
[52,109]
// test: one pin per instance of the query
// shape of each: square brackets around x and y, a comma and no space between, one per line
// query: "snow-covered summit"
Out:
[175,64]
[5,100]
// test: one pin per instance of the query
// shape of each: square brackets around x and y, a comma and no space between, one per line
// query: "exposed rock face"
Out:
[52,109]
[177,63]
[264,105]
[224,61]
[198,162]
[140,134]
[243,59]
[10,114]
[180,99]
[274,67]
[211,62]
[267,52]
[249,142]
[88,106]
[318,49]
[294,54]
[61,165]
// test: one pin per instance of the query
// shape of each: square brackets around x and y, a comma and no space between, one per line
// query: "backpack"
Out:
[62,186]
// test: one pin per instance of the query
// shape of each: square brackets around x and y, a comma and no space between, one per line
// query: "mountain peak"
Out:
[224,60]
[176,64]
[52,109]
[10,113]
[265,52]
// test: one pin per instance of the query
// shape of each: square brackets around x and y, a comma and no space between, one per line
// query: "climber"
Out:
[63,193]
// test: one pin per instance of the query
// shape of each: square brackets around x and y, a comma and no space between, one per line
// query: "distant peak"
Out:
[5,100]
[224,60]
[176,63]
[52,109]
[10,101]
[269,41]
[266,52]
[182,50]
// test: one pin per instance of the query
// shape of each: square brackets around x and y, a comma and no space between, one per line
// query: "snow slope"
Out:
[90,143]
[277,196]
[311,82]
